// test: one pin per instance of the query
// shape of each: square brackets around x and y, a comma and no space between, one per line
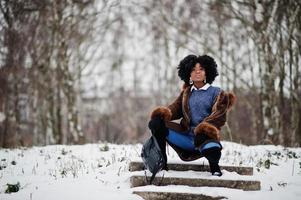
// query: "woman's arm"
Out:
[212,124]
[170,112]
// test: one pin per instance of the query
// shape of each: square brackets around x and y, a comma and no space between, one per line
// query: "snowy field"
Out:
[100,171]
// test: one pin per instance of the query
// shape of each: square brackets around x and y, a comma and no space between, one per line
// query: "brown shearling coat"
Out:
[210,126]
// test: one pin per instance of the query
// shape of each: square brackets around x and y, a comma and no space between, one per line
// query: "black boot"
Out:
[215,170]
[213,155]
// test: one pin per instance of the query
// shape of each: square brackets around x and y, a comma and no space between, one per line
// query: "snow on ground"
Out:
[100,171]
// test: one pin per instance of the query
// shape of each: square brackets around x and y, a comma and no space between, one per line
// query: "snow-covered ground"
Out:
[100,171]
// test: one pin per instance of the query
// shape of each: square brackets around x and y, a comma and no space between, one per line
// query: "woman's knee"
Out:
[181,140]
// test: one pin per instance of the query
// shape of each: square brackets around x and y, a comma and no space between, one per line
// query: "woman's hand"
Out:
[157,126]
[199,139]
[156,123]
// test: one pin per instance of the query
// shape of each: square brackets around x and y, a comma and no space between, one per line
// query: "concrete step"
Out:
[197,181]
[151,195]
[138,166]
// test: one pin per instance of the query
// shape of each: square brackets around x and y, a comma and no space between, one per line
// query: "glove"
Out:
[157,127]
[156,124]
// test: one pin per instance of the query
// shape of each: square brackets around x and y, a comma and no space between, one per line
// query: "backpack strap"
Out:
[152,178]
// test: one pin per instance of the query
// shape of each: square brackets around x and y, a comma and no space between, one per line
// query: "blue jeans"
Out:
[186,141]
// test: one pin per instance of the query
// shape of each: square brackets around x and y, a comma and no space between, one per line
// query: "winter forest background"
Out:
[80,71]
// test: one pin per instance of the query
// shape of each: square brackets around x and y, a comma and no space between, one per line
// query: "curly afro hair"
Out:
[188,63]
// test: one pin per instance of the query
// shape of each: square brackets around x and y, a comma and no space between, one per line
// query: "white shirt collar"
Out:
[205,87]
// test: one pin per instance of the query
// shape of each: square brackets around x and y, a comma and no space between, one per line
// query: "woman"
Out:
[203,109]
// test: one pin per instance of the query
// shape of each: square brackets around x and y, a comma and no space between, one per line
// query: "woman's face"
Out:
[198,73]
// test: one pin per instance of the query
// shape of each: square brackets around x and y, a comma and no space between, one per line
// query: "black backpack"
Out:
[152,157]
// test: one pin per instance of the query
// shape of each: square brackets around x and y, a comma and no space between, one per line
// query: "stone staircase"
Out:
[192,176]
